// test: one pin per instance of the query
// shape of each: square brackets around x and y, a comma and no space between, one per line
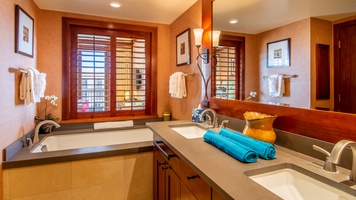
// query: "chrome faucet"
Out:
[214,120]
[37,128]
[334,157]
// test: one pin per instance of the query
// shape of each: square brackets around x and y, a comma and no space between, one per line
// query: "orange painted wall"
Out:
[50,49]
[182,108]
[16,118]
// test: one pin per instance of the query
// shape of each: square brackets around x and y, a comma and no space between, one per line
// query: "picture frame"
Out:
[183,48]
[278,53]
[24,32]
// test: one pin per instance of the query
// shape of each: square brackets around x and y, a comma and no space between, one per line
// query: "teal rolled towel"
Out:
[265,150]
[238,151]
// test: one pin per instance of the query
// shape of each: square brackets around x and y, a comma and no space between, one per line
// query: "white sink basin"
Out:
[189,131]
[288,183]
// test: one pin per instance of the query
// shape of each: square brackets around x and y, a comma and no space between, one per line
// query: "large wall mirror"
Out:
[258,37]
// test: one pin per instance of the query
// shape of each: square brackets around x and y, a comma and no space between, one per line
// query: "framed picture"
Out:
[183,48]
[24,29]
[278,53]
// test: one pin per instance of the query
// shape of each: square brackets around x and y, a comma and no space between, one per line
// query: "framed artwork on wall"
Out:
[278,53]
[24,30]
[183,48]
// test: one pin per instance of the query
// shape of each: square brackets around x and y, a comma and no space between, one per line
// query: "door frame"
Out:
[337,28]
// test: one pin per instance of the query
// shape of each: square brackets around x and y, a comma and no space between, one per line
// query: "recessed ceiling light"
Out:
[115,4]
[233,21]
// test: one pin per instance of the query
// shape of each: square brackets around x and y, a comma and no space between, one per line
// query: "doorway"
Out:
[345,67]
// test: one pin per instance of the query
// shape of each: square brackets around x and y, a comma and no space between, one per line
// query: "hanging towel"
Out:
[276,86]
[23,86]
[265,150]
[32,86]
[177,87]
[39,84]
[234,149]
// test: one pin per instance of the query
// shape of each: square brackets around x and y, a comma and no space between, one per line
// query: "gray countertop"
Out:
[226,174]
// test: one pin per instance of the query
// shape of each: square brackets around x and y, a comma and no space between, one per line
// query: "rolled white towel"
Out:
[109,125]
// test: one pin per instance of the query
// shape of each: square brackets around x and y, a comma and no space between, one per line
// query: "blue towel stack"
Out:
[265,150]
[234,149]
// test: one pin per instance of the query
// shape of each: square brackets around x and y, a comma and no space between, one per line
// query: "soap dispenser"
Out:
[196,114]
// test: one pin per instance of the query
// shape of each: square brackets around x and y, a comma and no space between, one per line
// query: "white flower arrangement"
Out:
[252,95]
[50,103]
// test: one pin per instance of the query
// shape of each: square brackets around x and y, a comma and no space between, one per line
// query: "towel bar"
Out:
[14,70]
[284,76]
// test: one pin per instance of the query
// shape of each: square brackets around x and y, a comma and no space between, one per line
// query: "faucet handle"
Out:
[328,166]
[222,125]
[321,150]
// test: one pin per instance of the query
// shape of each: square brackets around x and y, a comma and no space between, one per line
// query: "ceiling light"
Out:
[233,21]
[115,4]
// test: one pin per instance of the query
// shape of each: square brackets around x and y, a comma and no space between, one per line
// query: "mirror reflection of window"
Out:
[228,68]
[225,78]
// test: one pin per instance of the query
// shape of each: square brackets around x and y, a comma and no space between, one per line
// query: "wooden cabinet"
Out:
[160,176]
[216,196]
[166,181]
[199,188]
[174,179]
[173,190]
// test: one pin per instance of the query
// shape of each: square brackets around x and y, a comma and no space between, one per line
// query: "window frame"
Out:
[151,79]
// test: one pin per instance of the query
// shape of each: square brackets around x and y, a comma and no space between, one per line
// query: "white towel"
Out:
[39,84]
[276,86]
[109,125]
[177,87]
[32,86]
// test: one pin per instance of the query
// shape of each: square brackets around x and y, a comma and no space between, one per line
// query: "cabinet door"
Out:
[160,167]
[173,185]
[198,187]
[216,196]
[185,193]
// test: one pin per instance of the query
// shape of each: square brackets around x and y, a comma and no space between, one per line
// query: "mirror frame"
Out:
[324,125]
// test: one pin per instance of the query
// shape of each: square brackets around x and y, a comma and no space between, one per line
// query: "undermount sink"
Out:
[289,181]
[189,131]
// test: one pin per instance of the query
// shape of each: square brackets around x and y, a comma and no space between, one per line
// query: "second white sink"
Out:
[189,131]
[288,183]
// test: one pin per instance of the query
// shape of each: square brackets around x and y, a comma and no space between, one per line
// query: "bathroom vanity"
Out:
[191,168]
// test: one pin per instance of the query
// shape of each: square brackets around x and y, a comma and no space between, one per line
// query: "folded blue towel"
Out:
[265,150]
[238,151]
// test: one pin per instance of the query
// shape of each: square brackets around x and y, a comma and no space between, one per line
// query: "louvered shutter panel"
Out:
[130,73]
[93,73]
[225,78]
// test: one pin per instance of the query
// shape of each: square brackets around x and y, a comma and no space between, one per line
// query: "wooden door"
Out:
[345,67]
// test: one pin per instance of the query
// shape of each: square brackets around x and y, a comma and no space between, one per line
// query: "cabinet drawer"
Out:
[200,189]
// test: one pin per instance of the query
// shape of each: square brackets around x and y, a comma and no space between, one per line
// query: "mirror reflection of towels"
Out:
[276,86]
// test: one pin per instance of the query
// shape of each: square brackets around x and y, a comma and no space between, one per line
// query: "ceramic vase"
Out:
[260,126]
